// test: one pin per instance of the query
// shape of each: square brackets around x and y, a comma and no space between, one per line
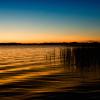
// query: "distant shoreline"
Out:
[94,44]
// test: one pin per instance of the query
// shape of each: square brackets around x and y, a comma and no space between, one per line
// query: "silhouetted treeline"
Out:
[86,44]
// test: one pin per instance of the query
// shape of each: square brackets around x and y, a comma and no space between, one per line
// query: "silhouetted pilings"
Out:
[67,56]
[83,58]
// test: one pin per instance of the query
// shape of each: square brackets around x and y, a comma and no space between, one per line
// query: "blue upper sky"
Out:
[66,17]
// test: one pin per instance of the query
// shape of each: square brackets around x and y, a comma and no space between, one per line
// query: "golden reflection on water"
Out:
[28,70]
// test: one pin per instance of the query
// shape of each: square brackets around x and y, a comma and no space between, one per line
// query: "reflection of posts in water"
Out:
[88,61]
[87,57]
[75,58]
[68,59]
[51,56]
[81,58]
[67,56]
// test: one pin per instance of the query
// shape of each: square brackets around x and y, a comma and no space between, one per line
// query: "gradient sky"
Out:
[49,20]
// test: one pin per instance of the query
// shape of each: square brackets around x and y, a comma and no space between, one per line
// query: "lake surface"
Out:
[49,72]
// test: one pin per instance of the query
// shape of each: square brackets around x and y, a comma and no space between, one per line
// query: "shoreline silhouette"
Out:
[83,44]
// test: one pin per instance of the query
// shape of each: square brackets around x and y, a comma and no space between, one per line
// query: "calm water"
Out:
[38,72]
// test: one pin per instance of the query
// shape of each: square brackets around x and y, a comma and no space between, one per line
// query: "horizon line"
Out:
[48,42]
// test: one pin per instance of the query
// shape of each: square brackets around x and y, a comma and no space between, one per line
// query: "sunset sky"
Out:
[29,21]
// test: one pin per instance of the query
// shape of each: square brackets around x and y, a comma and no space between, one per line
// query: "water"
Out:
[49,72]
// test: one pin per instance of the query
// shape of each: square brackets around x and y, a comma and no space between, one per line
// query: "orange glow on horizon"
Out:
[47,39]
[40,37]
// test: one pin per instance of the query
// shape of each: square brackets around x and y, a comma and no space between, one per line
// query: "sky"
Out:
[29,21]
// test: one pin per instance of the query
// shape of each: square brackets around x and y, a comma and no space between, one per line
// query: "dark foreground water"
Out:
[49,72]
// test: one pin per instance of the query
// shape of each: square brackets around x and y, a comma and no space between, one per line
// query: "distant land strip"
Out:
[94,44]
